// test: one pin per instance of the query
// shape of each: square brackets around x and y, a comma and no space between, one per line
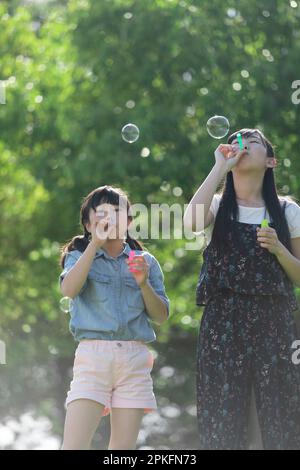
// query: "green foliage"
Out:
[76,72]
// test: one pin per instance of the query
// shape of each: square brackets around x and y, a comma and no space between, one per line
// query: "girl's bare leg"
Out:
[82,419]
[125,425]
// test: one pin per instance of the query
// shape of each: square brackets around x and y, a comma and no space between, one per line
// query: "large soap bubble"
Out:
[217,126]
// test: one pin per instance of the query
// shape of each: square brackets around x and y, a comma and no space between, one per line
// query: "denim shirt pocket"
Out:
[133,295]
[99,288]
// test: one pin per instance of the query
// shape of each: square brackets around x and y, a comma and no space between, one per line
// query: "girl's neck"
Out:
[248,203]
[114,247]
[248,189]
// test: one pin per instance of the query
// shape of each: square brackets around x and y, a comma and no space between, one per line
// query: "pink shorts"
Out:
[113,373]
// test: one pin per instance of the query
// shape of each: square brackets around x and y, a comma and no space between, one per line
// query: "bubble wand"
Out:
[264,223]
[131,256]
[240,141]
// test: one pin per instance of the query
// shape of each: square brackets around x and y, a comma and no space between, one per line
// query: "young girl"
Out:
[115,299]
[246,284]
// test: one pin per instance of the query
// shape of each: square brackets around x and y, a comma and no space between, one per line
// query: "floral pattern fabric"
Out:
[245,340]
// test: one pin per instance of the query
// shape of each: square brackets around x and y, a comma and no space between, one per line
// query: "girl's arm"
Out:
[150,279]
[204,196]
[226,157]
[155,306]
[76,277]
[290,263]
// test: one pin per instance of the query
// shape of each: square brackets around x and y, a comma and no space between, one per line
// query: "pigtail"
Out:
[134,244]
[79,242]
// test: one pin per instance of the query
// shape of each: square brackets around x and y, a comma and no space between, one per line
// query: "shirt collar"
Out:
[126,251]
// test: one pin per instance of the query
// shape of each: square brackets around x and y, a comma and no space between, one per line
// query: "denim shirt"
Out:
[110,304]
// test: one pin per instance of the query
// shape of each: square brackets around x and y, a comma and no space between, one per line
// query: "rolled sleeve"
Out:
[156,279]
[71,258]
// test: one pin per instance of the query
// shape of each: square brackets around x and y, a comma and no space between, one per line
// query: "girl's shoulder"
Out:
[74,253]
[144,253]
[291,204]
[292,214]
[150,258]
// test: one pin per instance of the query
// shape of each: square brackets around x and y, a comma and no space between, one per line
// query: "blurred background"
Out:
[74,73]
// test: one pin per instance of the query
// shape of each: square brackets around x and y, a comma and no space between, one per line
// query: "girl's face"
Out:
[114,215]
[256,157]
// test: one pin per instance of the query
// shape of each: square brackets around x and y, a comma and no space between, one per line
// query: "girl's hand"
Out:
[139,268]
[227,156]
[101,229]
[267,238]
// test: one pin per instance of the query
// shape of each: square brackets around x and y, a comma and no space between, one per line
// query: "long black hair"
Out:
[103,194]
[228,205]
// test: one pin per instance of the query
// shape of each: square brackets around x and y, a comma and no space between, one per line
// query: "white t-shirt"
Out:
[254,215]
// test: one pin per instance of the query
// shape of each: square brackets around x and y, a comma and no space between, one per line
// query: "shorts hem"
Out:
[85,396]
[133,404]
[147,408]
[107,407]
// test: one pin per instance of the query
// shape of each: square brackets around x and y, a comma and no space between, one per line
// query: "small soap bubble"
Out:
[217,126]
[130,133]
[66,304]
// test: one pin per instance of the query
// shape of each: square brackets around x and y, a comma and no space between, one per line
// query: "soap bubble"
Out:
[217,126]
[66,304]
[130,133]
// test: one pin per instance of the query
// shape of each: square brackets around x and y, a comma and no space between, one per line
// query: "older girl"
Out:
[247,330]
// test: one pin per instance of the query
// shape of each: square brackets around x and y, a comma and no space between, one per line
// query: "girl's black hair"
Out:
[228,204]
[103,194]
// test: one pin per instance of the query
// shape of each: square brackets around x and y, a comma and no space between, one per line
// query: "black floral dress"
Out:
[245,340]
